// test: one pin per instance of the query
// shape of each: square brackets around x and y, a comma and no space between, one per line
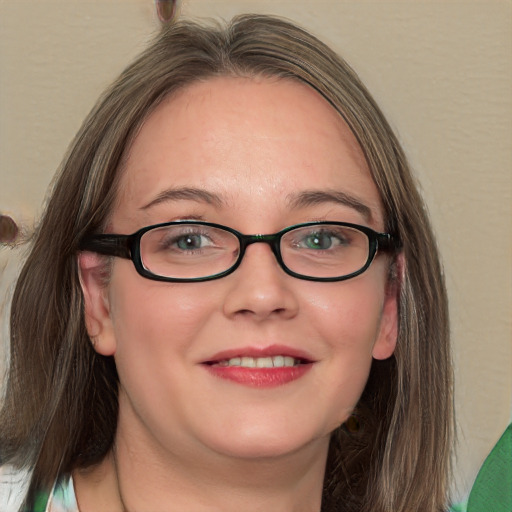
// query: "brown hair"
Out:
[60,408]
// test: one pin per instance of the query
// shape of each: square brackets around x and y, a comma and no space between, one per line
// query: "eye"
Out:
[188,241]
[322,240]
[318,241]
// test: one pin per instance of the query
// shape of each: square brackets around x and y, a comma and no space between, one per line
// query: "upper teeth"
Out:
[260,362]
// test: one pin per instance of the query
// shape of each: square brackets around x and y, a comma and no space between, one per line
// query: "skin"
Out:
[199,442]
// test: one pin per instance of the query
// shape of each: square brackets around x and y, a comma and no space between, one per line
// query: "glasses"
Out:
[191,251]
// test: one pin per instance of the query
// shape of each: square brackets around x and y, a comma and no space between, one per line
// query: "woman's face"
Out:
[244,153]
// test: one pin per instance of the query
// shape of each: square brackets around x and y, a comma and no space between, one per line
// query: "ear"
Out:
[388,329]
[94,275]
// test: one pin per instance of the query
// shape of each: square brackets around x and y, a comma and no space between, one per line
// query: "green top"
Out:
[61,499]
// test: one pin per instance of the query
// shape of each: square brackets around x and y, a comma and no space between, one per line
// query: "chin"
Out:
[260,450]
[259,443]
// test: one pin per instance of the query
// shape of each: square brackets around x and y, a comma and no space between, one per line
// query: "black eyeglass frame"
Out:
[128,246]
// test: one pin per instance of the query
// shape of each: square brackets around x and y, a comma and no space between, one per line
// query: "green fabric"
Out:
[62,498]
[40,502]
[492,490]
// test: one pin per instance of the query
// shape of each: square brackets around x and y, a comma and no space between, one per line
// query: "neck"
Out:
[130,481]
[282,484]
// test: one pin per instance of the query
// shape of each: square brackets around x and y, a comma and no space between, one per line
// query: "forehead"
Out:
[245,139]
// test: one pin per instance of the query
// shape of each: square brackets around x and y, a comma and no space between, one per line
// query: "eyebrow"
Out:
[301,200]
[314,197]
[185,193]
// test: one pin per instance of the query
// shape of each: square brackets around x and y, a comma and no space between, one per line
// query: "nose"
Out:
[259,288]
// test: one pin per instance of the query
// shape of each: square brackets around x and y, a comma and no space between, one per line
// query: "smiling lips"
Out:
[261,362]
[261,368]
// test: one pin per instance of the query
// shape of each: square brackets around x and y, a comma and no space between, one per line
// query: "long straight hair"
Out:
[60,407]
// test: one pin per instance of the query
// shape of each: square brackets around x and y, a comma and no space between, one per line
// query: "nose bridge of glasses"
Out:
[271,240]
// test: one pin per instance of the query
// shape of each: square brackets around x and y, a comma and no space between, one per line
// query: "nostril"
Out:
[9,230]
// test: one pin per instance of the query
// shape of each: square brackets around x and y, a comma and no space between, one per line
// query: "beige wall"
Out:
[441,71]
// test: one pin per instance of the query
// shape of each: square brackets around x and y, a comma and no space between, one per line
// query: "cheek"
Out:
[347,319]
[347,315]
[156,327]
[155,322]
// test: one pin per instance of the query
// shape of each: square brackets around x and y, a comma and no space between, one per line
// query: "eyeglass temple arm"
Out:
[108,245]
[387,242]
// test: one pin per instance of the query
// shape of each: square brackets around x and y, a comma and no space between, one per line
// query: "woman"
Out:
[273,334]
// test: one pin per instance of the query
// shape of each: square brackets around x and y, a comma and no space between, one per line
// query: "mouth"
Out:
[261,368]
[279,361]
